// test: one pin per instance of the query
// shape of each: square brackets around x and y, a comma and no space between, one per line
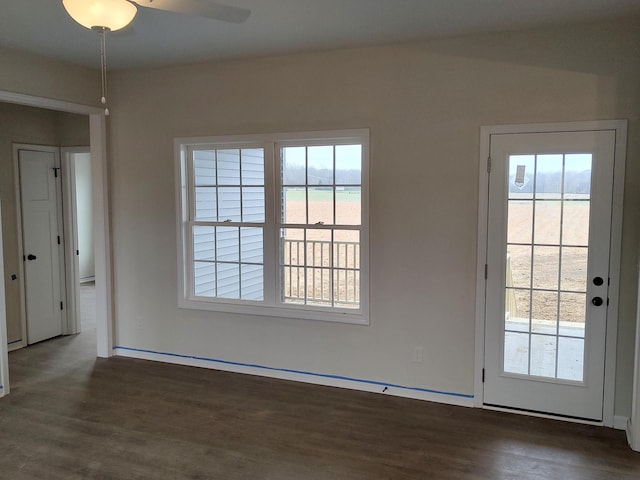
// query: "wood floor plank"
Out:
[72,416]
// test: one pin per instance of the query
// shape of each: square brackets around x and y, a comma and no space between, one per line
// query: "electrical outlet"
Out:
[418,354]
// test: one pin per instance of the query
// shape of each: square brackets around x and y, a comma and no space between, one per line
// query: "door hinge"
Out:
[24,258]
[483,375]
[58,239]
[489,164]
[486,271]
[77,252]
[61,306]
[55,171]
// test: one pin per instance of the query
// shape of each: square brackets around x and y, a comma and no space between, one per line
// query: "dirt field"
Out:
[551,264]
[553,267]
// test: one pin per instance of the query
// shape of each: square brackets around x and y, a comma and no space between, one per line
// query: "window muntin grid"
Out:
[227,223]
[320,224]
[547,253]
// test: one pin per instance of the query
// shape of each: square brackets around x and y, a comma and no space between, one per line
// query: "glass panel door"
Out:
[549,221]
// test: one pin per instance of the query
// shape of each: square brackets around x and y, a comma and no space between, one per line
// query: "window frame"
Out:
[271,305]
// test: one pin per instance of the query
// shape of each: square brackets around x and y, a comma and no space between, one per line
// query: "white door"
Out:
[549,223]
[39,193]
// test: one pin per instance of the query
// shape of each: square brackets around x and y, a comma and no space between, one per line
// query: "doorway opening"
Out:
[103,309]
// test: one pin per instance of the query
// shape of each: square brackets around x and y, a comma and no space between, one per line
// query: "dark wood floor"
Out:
[70,416]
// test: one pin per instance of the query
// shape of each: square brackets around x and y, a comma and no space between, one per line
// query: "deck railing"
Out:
[315,273]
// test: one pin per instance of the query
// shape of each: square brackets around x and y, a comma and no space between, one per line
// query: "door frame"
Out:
[620,128]
[101,224]
[71,235]
[4,358]
[65,285]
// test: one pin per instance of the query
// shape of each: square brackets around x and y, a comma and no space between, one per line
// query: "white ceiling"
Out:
[282,26]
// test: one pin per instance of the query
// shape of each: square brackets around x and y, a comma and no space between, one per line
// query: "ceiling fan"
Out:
[111,15]
[116,14]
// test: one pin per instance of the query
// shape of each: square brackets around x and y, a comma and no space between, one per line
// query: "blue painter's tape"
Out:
[299,372]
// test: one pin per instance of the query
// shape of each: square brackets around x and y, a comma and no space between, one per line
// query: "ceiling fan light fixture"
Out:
[109,14]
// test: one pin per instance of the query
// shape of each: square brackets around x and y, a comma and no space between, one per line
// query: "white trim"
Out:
[73,323]
[620,127]
[259,138]
[21,288]
[101,235]
[297,376]
[101,225]
[615,256]
[631,437]
[49,103]
[4,358]
[17,345]
[483,210]
[620,422]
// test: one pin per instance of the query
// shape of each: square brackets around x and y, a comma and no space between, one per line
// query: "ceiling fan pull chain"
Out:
[103,67]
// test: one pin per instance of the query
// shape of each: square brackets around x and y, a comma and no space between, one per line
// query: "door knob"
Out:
[597,301]
[598,281]
[31,257]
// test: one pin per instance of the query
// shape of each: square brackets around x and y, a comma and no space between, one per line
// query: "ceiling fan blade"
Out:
[199,8]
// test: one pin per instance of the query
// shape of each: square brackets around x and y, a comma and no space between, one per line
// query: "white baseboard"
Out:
[16,345]
[300,376]
[620,422]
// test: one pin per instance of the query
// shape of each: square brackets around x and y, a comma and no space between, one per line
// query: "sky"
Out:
[348,157]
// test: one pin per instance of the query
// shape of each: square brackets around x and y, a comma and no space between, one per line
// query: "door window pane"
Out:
[546,265]
[547,222]
[519,266]
[543,355]
[516,353]
[574,269]
[517,309]
[520,221]
[572,314]
[571,358]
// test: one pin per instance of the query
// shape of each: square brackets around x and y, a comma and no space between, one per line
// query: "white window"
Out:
[275,224]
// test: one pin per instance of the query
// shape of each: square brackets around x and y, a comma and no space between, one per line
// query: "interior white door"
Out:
[549,222]
[39,193]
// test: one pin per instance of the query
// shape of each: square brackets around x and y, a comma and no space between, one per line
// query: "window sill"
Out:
[303,313]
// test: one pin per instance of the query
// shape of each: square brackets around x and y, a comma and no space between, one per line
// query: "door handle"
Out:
[597,301]
[31,257]
[598,281]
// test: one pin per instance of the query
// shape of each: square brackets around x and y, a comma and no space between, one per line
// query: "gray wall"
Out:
[424,103]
